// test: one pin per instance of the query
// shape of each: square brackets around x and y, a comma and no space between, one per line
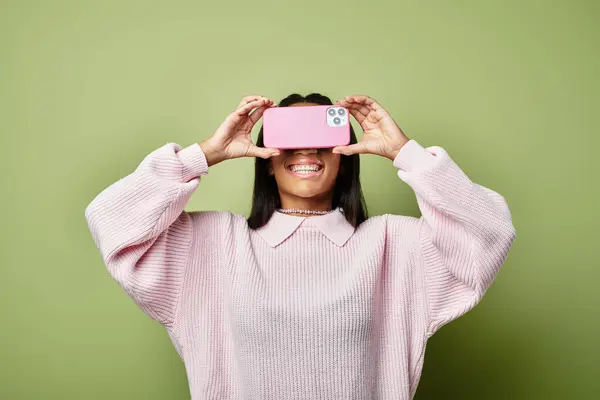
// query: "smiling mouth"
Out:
[305,170]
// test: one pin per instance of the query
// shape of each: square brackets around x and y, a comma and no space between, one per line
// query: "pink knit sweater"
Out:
[303,308]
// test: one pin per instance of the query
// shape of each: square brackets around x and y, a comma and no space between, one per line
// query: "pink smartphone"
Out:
[306,127]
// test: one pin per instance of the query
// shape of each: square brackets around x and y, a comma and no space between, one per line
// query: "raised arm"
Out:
[141,230]
[139,224]
[466,231]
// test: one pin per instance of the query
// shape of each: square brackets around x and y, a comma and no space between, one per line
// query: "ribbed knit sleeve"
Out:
[466,231]
[139,225]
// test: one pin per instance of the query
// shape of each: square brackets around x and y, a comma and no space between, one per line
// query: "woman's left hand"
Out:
[382,136]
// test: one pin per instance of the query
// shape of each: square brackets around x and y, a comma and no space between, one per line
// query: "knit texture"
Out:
[303,308]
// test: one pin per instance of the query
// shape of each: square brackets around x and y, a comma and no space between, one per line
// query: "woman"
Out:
[307,298]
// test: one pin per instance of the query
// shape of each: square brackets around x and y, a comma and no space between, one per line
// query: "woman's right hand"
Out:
[232,139]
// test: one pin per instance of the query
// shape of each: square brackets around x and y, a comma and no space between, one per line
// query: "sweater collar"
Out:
[281,226]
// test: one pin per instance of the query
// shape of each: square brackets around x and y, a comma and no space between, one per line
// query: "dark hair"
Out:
[347,193]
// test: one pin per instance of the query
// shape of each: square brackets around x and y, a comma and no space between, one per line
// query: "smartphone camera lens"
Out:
[331,112]
[341,111]
[337,120]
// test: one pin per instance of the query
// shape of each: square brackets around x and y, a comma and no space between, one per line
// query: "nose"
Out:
[305,151]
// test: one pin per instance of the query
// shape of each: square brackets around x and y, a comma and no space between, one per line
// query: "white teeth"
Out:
[305,168]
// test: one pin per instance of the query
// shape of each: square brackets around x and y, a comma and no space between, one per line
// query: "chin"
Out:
[307,192]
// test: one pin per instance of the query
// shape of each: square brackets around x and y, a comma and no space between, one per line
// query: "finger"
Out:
[247,99]
[246,108]
[356,148]
[360,108]
[350,103]
[358,116]
[365,100]
[343,103]
[359,113]
[262,152]
[372,114]
[258,113]
[356,110]
[359,98]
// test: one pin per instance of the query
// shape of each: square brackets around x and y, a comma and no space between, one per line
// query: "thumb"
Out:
[356,148]
[262,152]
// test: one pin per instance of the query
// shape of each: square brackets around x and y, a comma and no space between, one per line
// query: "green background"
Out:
[88,88]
